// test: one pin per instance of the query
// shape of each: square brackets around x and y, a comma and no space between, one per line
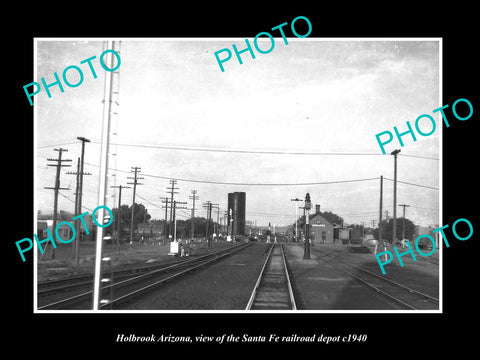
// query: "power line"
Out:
[73,201]
[49,146]
[269,184]
[420,157]
[408,183]
[239,151]
[246,184]
[141,197]
[261,184]
[424,208]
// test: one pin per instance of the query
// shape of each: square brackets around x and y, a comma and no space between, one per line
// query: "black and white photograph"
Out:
[216,180]
[260,187]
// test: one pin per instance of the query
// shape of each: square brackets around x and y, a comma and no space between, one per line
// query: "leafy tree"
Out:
[332,217]
[387,229]
[327,215]
[125,216]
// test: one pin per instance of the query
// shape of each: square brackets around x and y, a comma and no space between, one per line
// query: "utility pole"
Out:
[381,207]
[216,207]
[192,224]
[225,221]
[119,187]
[296,217]
[403,231]
[166,230]
[394,237]
[83,140]
[75,212]
[208,205]
[174,208]
[172,191]
[135,178]
[56,188]
[78,204]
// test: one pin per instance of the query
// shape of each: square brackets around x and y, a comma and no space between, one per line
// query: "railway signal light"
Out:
[308,206]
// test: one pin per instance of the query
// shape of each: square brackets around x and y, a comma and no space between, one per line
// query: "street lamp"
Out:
[394,237]
[296,217]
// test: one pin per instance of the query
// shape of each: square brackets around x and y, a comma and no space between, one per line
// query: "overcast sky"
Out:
[310,96]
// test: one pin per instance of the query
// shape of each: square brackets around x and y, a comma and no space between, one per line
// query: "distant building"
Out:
[341,234]
[64,231]
[150,229]
[422,230]
[237,209]
[321,230]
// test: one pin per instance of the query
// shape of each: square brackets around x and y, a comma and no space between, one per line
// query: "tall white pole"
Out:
[102,189]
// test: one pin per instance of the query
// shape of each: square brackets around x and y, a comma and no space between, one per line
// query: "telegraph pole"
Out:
[75,212]
[135,178]
[165,225]
[216,207]
[56,188]
[172,191]
[119,187]
[208,206]
[78,206]
[174,208]
[192,229]
[381,207]
[403,231]
[225,221]
[230,219]
[83,140]
[394,237]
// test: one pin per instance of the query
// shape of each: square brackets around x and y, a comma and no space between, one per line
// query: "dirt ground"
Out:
[63,264]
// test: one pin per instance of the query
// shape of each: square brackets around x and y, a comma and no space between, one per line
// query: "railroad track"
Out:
[434,261]
[273,289]
[404,296]
[132,285]
[72,282]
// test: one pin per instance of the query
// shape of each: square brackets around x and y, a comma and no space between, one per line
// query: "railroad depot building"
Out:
[321,230]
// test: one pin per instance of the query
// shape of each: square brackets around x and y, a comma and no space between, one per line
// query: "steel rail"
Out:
[148,287]
[384,278]
[50,285]
[257,284]
[377,289]
[289,284]
[271,295]
[200,262]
